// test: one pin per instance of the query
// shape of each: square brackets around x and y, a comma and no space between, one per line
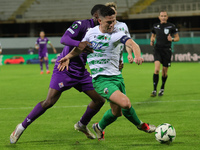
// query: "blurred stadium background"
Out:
[21,21]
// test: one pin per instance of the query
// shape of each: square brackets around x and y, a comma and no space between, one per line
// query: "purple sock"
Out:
[41,65]
[34,114]
[47,64]
[87,116]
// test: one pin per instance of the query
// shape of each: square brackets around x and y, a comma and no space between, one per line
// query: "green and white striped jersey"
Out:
[107,48]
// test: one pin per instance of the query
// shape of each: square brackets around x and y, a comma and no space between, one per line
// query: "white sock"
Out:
[99,127]
[80,124]
[21,127]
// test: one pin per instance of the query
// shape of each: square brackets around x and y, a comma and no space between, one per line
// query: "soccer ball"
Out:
[165,133]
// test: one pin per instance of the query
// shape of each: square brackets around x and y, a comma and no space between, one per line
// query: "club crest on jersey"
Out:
[103,37]
[61,84]
[106,91]
[166,31]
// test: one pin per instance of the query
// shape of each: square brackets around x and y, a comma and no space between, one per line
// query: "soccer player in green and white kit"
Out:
[121,26]
[107,79]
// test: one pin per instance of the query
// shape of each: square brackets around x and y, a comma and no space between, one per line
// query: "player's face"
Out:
[163,17]
[42,34]
[107,23]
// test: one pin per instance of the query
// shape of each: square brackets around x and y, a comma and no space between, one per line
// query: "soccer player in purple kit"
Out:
[76,76]
[41,46]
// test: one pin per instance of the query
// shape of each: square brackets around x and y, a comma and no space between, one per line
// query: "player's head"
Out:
[113,5]
[95,12]
[163,16]
[106,19]
[42,34]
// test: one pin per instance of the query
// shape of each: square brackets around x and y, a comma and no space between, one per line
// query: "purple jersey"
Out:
[42,45]
[76,31]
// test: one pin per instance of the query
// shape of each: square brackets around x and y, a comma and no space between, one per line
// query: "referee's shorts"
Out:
[163,55]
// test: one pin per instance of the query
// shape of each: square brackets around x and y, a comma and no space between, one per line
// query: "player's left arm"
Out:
[54,50]
[175,34]
[173,39]
[136,50]
[129,50]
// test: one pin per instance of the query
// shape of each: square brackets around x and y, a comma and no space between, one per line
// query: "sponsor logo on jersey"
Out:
[70,30]
[106,91]
[99,45]
[42,42]
[166,31]
[61,84]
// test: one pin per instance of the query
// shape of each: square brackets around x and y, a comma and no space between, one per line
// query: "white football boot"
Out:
[14,137]
[85,130]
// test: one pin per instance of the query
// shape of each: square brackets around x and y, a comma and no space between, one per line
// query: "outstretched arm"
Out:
[54,50]
[74,52]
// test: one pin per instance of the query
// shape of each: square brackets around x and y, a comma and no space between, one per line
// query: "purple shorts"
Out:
[42,55]
[61,81]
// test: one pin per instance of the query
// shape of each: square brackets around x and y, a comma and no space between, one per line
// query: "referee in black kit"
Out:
[164,33]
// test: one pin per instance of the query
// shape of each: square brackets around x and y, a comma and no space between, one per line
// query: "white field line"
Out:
[56,107]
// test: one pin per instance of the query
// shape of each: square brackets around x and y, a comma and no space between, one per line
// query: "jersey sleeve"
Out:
[48,42]
[174,29]
[74,29]
[126,30]
[153,29]
[71,33]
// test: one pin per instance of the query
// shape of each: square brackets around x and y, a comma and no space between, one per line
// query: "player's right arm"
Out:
[37,44]
[152,39]
[64,62]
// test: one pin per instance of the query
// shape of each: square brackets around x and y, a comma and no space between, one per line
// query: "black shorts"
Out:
[163,55]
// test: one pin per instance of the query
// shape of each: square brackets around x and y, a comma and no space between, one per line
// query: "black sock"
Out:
[155,81]
[163,82]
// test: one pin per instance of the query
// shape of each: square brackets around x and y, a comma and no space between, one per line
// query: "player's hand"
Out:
[121,65]
[169,38]
[152,43]
[63,63]
[138,60]
[130,59]
[85,47]
[36,47]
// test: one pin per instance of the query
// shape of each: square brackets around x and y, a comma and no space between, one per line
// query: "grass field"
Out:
[22,87]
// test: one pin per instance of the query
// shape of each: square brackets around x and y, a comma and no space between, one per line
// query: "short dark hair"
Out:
[96,8]
[162,11]
[106,11]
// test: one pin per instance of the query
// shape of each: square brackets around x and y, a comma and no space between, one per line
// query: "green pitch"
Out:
[22,87]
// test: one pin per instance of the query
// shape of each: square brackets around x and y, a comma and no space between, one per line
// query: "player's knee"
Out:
[156,71]
[126,104]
